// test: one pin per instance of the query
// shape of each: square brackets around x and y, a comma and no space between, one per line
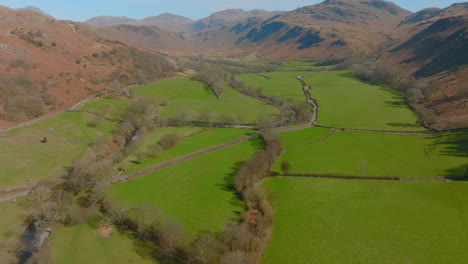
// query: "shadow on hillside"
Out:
[455,144]
[229,186]
[257,143]
[452,143]
[405,125]
[206,87]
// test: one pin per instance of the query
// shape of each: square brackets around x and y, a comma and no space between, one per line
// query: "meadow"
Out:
[68,137]
[195,138]
[339,221]
[196,192]
[196,97]
[12,216]
[372,154]
[83,244]
[344,101]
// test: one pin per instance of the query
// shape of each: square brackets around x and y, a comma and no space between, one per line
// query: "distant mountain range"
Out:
[177,23]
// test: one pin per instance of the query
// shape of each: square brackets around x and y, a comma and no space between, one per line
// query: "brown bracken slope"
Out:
[57,63]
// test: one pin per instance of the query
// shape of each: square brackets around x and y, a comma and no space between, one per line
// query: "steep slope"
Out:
[106,21]
[333,27]
[47,65]
[148,37]
[230,17]
[433,43]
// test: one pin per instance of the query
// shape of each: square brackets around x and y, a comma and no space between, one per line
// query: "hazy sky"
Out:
[80,10]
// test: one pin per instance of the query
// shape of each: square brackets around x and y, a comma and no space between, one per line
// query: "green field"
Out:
[371,154]
[109,107]
[339,221]
[196,97]
[195,139]
[344,101]
[67,135]
[297,65]
[82,244]
[195,192]
[303,137]
[12,216]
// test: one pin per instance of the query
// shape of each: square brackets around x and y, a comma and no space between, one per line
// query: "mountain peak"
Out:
[34,9]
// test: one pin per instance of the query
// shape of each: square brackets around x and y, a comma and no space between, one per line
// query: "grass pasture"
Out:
[372,154]
[109,107]
[338,221]
[197,97]
[12,216]
[83,244]
[67,135]
[344,101]
[194,139]
[195,192]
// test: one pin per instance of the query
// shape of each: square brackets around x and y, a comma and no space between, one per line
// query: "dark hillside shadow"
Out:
[228,186]
[455,144]
[257,143]
[452,143]
[405,125]
[206,87]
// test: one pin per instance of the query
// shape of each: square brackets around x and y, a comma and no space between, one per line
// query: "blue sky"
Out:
[80,10]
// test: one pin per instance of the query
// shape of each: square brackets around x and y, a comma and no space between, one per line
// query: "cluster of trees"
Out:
[84,182]
[214,77]
[147,66]
[416,92]
[185,115]
[20,98]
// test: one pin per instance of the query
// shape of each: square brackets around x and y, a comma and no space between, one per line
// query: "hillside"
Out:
[167,21]
[106,21]
[432,44]
[48,65]
[332,27]
[148,37]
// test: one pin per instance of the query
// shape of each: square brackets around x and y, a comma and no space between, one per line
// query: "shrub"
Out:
[31,106]
[170,140]
[20,63]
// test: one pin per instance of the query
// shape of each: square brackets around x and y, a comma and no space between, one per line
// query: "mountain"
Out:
[105,21]
[333,27]
[167,21]
[34,9]
[231,17]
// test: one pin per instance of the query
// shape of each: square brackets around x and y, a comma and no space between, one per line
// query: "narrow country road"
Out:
[13,193]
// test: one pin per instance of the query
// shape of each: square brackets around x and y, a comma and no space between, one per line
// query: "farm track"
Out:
[23,190]
[180,159]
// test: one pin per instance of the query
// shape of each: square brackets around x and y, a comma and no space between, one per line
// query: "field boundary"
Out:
[421,132]
[179,159]
[368,178]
